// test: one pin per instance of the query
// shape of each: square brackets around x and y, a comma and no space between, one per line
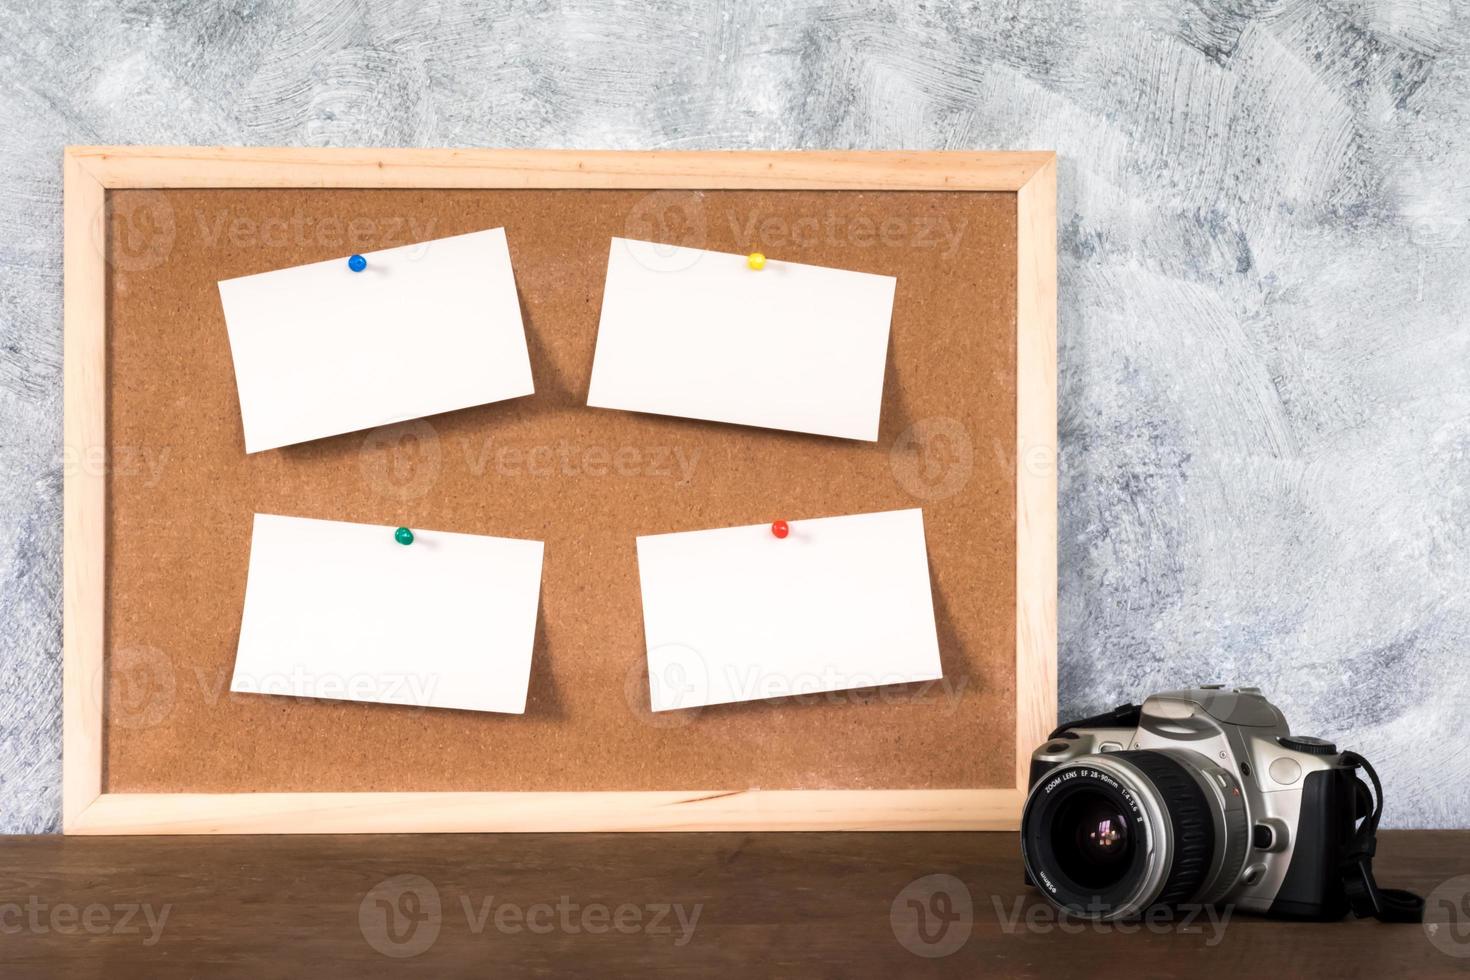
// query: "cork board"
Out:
[180,493]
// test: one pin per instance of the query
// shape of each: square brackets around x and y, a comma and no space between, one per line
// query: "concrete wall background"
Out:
[1265,363]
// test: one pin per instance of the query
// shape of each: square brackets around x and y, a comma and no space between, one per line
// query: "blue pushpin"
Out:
[357,263]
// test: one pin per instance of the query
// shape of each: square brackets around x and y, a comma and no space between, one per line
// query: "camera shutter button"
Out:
[1286,771]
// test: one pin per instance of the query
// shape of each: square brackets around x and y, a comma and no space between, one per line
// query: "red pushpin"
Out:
[780,529]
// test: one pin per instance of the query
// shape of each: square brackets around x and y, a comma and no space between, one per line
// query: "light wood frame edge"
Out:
[88,172]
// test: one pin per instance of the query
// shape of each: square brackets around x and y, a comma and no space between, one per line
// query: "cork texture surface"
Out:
[586,481]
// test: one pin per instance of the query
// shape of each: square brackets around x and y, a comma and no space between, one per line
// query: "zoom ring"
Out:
[1192,828]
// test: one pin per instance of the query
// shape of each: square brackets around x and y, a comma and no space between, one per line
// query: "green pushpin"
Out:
[403,536]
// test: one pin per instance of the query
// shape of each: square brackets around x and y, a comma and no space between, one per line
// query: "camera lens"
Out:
[1091,840]
[1109,836]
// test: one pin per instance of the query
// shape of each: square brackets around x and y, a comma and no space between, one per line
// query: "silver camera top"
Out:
[1236,728]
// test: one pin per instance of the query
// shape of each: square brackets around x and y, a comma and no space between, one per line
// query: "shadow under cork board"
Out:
[178,752]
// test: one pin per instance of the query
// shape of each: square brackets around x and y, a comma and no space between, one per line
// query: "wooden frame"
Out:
[89,172]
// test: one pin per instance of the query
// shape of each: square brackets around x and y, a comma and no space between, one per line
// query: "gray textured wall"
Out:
[1265,389]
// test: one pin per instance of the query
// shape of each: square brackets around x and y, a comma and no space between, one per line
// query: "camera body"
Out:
[1200,796]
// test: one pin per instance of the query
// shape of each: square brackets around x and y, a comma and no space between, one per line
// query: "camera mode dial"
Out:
[1307,744]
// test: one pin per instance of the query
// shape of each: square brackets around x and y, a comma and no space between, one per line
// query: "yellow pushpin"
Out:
[756,261]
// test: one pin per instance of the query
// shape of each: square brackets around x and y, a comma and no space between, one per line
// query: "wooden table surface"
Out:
[722,905]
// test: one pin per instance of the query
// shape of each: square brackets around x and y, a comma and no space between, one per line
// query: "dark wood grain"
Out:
[813,905]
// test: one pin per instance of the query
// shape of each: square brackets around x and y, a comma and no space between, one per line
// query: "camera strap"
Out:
[1364,896]
[1123,716]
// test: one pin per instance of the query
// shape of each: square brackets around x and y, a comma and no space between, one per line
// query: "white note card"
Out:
[320,350]
[343,611]
[701,335]
[737,614]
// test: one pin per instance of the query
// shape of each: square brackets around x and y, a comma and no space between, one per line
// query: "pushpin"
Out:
[756,261]
[403,536]
[357,263]
[780,529]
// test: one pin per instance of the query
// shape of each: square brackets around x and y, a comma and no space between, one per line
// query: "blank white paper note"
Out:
[320,350]
[343,611]
[737,614]
[699,334]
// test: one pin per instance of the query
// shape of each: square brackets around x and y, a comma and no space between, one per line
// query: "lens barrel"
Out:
[1111,836]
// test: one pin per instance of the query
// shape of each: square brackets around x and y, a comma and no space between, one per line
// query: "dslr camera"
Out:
[1201,797]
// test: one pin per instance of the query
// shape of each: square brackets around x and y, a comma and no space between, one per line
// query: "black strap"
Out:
[1364,896]
[1123,716]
